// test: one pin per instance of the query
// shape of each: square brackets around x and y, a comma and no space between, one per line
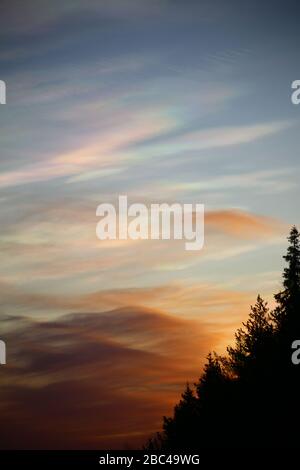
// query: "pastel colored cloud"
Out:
[105,154]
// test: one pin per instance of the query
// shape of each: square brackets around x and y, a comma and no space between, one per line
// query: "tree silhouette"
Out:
[248,398]
[253,341]
[286,314]
[182,428]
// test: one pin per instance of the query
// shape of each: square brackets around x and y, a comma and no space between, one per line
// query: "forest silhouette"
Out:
[248,398]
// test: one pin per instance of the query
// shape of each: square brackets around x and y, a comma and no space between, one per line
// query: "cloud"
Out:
[105,154]
[35,18]
[226,136]
[265,181]
[111,150]
[52,242]
[95,380]
[218,305]
[217,137]
[244,225]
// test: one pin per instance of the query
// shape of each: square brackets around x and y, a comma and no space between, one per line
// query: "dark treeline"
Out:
[251,396]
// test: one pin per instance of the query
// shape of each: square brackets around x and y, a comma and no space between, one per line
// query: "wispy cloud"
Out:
[112,150]
[266,181]
[218,137]
[105,154]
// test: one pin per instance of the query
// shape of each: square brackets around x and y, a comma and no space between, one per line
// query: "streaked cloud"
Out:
[104,154]
[100,376]
[268,181]
[59,242]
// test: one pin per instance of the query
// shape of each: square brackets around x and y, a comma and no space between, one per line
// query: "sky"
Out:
[163,101]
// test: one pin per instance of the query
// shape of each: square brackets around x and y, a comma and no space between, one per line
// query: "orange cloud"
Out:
[95,380]
[243,224]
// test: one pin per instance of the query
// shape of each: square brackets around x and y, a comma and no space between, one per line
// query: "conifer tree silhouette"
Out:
[286,315]
[253,341]
[248,398]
